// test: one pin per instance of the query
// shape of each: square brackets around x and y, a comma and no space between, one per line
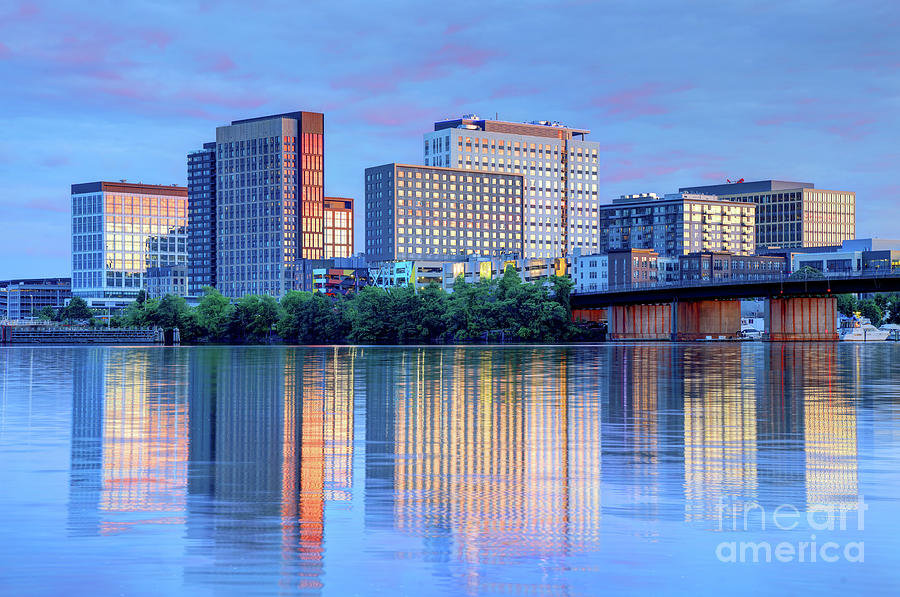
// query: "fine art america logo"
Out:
[830,521]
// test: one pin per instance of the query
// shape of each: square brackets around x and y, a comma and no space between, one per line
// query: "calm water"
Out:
[597,470]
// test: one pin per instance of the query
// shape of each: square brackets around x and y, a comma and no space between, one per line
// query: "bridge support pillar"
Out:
[801,318]
[698,320]
[640,322]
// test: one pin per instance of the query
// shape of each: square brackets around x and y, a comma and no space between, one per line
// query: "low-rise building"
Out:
[22,299]
[340,281]
[632,268]
[860,254]
[474,269]
[722,266]
[590,273]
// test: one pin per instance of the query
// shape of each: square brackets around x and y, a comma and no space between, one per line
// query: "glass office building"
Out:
[269,201]
[118,231]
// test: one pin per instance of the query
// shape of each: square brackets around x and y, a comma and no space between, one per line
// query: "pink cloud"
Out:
[436,65]
[54,161]
[219,63]
[53,205]
[5,52]
[847,125]
[648,167]
[643,100]
[24,11]
[507,91]
[225,100]
[159,38]
[454,28]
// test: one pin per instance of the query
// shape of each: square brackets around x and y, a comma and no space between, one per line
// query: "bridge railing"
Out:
[867,274]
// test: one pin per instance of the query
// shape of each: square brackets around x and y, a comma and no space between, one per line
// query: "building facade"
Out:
[559,168]
[201,177]
[269,201]
[22,299]
[590,273]
[441,214]
[475,269]
[721,266]
[167,279]
[792,214]
[632,268]
[119,230]
[677,224]
[338,227]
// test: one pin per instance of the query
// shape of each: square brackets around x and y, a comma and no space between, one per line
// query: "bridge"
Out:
[796,308]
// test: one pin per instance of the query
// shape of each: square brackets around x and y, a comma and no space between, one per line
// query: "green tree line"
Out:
[883,308]
[502,309]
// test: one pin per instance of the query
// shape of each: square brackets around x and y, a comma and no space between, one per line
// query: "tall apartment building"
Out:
[201,218]
[792,214]
[269,201]
[558,166]
[118,231]
[338,227]
[429,212]
[677,224]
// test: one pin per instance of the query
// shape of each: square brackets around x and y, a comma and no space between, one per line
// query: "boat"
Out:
[860,329]
[893,331]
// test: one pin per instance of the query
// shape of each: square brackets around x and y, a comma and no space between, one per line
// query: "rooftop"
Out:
[759,186]
[129,187]
[536,128]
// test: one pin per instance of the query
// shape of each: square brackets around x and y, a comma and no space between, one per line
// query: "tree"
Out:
[309,318]
[370,318]
[77,309]
[213,314]
[846,304]
[870,310]
[46,313]
[807,273]
[252,319]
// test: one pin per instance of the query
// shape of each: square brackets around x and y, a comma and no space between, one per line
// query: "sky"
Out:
[678,93]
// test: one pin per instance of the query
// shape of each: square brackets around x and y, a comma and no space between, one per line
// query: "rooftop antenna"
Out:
[123,180]
[496,116]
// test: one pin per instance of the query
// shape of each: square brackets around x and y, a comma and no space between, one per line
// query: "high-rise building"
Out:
[338,227]
[269,201]
[202,218]
[428,212]
[118,231]
[21,299]
[677,224]
[559,168]
[792,214]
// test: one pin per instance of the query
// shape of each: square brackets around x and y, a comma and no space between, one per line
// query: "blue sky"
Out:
[678,93]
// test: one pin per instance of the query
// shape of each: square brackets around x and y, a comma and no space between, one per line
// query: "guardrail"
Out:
[858,275]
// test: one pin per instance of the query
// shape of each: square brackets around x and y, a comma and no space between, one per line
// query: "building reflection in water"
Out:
[272,443]
[129,440]
[486,455]
[495,456]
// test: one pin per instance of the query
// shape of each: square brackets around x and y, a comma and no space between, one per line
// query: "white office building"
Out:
[558,166]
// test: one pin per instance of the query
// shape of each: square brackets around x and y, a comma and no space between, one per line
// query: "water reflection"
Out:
[483,458]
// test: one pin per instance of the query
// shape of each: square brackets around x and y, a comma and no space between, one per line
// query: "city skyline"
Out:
[676,98]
